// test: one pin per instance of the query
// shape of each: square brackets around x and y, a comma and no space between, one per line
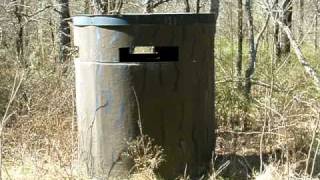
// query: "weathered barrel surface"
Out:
[176,98]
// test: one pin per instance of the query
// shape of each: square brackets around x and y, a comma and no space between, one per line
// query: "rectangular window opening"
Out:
[149,54]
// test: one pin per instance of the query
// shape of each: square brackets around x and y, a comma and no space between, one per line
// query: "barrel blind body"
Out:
[176,98]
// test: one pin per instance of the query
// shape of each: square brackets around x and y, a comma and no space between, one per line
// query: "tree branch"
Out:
[297,50]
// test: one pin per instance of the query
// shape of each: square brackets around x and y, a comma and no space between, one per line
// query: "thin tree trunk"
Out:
[238,63]
[301,19]
[316,34]
[117,7]
[277,48]
[111,6]
[87,6]
[317,6]
[40,40]
[2,38]
[19,8]
[64,31]
[253,47]
[214,9]
[252,51]
[287,21]
[198,6]
[187,5]
[238,71]
[149,6]
[52,33]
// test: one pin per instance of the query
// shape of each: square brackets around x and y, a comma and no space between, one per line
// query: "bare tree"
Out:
[87,6]
[253,46]
[64,30]
[187,5]
[252,49]
[214,7]
[316,32]
[301,19]
[238,62]
[287,21]
[198,7]
[317,11]
[276,39]
[18,12]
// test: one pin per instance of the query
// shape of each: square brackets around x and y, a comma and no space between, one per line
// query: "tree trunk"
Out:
[198,6]
[19,8]
[252,51]
[87,7]
[52,32]
[64,31]
[316,33]
[277,48]
[287,21]
[238,62]
[149,6]
[112,6]
[214,8]
[2,38]
[187,5]
[301,19]
[317,6]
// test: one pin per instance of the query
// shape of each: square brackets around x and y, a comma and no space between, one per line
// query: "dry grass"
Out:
[146,155]
[276,172]
[38,142]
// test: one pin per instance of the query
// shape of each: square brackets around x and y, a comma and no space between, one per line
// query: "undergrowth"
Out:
[278,126]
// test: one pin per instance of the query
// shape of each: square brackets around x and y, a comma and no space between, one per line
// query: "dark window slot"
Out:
[153,54]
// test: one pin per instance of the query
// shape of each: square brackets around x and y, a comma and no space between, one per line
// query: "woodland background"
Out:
[267,86]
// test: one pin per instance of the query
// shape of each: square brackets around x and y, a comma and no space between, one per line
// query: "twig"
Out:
[315,158]
[262,137]
[249,133]
[314,133]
